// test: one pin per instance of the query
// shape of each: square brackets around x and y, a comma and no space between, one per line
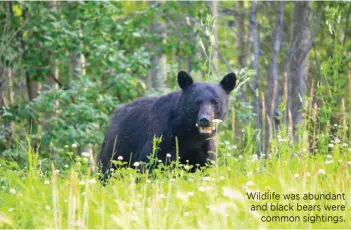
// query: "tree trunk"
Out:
[272,87]
[2,87]
[298,65]
[241,33]
[50,80]
[11,95]
[214,11]
[158,72]
[272,93]
[256,53]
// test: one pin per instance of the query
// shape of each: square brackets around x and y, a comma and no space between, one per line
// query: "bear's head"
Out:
[202,103]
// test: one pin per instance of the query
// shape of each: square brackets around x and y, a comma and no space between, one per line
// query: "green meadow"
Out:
[171,197]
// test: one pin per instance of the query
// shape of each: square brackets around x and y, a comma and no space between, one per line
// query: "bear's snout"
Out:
[205,117]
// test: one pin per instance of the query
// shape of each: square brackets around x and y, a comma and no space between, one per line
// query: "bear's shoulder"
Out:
[137,103]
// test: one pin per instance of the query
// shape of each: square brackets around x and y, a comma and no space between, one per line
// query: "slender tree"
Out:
[298,65]
[158,71]
[214,11]
[256,57]
[241,32]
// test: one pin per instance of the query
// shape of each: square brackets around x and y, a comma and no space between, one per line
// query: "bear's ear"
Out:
[228,82]
[184,79]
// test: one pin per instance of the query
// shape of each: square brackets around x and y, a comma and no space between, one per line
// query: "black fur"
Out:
[134,125]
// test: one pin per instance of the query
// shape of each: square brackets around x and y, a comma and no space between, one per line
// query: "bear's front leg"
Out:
[201,155]
[209,148]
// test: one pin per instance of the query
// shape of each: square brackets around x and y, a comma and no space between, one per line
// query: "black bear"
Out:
[187,114]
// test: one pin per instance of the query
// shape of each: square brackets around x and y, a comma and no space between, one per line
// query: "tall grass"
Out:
[212,198]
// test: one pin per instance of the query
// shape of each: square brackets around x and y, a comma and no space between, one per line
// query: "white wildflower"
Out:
[344,145]
[112,169]
[136,164]
[308,174]
[187,167]
[331,145]
[249,183]
[337,140]
[75,145]
[190,193]
[206,178]
[66,166]
[321,171]
[329,156]
[11,209]
[217,121]
[159,161]
[168,155]
[329,162]
[296,175]
[47,208]
[66,146]
[92,181]
[12,191]
[222,178]
[46,182]
[85,154]
[348,163]
[186,214]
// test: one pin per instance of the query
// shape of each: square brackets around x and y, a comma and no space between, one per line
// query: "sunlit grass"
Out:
[213,198]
